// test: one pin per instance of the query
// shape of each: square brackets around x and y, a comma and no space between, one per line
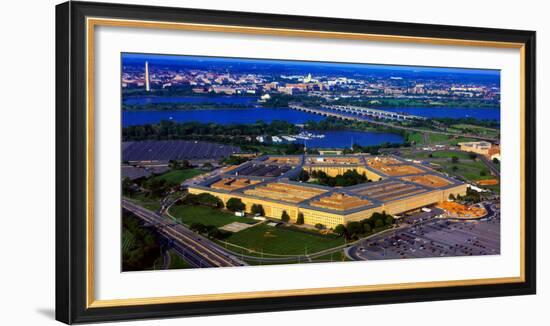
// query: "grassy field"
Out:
[178,176]
[282,241]
[416,137]
[469,169]
[465,167]
[433,139]
[479,130]
[438,138]
[206,215]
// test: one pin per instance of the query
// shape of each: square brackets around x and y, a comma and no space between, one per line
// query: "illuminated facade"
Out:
[395,186]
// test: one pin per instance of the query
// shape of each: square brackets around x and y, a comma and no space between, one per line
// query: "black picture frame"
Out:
[71,155]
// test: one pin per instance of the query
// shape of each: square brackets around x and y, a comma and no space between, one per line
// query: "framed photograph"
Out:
[213,162]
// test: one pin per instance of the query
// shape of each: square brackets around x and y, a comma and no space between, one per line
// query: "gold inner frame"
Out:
[92,22]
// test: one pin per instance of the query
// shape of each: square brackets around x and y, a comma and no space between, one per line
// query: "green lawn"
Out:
[206,215]
[469,169]
[450,154]
[479,130]
[418,138]
[282,241]
[178,176]
[438,138]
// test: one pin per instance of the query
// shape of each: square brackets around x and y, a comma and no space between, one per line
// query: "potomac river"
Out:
[251,113]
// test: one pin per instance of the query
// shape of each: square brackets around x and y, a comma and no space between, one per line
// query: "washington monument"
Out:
[147,87]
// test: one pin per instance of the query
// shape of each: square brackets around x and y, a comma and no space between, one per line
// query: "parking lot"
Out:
[433,237]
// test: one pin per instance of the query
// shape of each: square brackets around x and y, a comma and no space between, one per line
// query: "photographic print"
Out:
[246,162]
[321,162]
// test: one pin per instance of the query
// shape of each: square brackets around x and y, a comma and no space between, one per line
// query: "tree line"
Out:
[349,178]
[358,229]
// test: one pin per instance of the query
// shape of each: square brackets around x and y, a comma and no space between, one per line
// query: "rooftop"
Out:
[231,184]
[340,201]
[267,178]
[284,192]
[428,180]
[291,160]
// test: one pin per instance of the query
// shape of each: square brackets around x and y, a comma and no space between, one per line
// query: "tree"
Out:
[179,165]
[185,164]
[496,160]
[349,178]
[320,226]
[235,204]
[128,187]
[389,220]
[218,234]
[455,167]
[379,223]
[483,173]
[300,219]
[174,165]
[473,156]
[454,159]
[257,209]
[341,230]
[452,197]
[234,160]
[203,199]
[354,229]
[285,217]
[158,187]
[198,227]
[366,228]
[303,176]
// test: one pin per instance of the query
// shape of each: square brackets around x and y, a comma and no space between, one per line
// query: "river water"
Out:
[253,113]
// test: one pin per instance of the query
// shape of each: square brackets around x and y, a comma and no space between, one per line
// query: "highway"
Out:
[196,249]
[490,165]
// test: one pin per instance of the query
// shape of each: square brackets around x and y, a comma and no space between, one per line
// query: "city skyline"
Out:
[174,58]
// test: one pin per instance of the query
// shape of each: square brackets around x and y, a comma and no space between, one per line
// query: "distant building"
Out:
[330,152]
[224,90]
[481,147]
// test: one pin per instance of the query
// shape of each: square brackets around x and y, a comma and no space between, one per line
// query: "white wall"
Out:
[27,161]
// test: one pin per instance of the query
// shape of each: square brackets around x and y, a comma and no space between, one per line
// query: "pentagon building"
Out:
[395,186]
